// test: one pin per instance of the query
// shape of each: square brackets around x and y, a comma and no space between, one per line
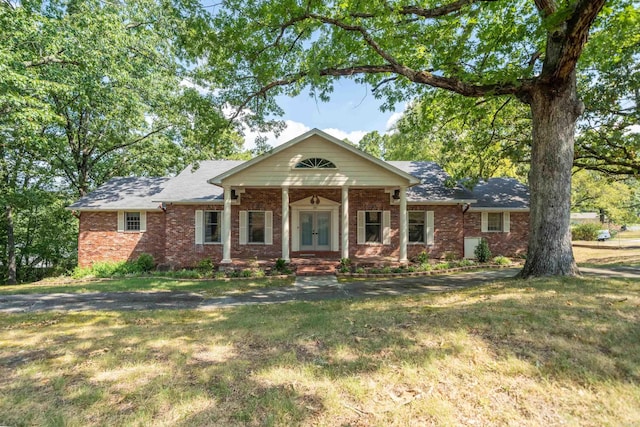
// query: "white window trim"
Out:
[505,226]
[243,234]
[385,228]
[122,219]
[201,215]
[428,228]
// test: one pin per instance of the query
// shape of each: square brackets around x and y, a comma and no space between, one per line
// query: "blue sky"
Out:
[351,113]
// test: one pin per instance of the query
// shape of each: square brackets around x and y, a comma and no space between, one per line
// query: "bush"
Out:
[423,258]
[450,256]
[465,263]
[501,260]
[281,265]
[585,232]
[442,266]
[205,267]
[145,263]
[360,270]
[482,252]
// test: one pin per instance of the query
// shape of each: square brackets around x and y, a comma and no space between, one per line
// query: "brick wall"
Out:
[447,234]
[99,239]
[180,247]
[372,200]
[513,243]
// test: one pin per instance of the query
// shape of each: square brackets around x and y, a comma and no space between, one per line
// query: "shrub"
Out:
[345,262]
[360,270]
[281,265]
[425,267]
[585,232]
[501,260]
[442,266]
[145,263]
[259,273]
[246,273]
[411,269]
[423,258]
[482,252]
[205,267]
[450,256]
[465,262]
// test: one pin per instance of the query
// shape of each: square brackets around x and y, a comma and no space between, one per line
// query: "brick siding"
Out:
[99,239]
[510,244]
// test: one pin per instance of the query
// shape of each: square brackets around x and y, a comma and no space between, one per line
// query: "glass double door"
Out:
[315,231]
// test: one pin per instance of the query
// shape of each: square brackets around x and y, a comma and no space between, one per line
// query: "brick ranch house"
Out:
[312,196]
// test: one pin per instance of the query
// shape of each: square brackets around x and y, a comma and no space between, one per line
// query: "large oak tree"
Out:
[475,48]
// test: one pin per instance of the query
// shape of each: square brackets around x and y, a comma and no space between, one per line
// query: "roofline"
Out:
[192,202]
[98,209]
[217,180]
[496,209]
[441,202]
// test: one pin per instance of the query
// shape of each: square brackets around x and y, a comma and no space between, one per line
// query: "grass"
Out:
[601,256]
[204,287]
[540,352]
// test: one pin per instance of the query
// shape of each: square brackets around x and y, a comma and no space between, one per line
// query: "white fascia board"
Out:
[410,178]
[497,209]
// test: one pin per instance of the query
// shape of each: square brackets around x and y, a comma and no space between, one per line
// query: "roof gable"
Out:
[501,193]
[277,167]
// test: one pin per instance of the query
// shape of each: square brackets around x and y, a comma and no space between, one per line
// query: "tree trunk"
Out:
[11,247]
[554,113]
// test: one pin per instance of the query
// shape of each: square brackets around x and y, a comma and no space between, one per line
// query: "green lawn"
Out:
[204,287]
[541,352]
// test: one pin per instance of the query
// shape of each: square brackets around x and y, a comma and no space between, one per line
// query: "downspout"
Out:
[465,208]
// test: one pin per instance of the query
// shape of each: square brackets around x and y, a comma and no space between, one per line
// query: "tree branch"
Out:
[577,32]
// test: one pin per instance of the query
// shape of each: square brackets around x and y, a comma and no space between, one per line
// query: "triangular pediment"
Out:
[317,201]
[302,162]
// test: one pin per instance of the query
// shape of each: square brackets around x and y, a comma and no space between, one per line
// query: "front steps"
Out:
[314,266]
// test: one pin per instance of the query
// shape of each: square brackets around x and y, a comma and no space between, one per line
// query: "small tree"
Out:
[482,251]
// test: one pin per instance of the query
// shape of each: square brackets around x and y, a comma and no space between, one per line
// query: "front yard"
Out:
[541,352]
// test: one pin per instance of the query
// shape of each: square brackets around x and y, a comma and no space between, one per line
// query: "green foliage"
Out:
[450,256]
[482,251]
[501,260]
[465,263]
[281,265]
[422,258]
[205,267]
[585,232]
[442,266]
[145,263]
[345,262]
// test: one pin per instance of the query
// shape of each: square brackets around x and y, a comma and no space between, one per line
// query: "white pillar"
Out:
[285,223]
[345,222]
[404,238]
[226,227]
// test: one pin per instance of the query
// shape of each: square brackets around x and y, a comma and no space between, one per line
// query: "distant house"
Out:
[585,218]
[312,196]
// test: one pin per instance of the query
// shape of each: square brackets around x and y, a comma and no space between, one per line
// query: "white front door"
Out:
[315,231]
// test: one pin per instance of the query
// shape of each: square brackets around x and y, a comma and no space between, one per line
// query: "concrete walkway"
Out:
[311,288]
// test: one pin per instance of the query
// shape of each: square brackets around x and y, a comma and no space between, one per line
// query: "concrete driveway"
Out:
[305,289]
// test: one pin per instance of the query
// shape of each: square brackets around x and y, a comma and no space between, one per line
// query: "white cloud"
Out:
[393,119]
[294,129]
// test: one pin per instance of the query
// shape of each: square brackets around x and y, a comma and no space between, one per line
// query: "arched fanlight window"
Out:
[315,163]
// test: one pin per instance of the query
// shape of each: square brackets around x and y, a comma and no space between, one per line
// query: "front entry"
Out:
[315,231]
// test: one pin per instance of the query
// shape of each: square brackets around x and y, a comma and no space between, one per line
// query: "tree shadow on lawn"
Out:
[290,363]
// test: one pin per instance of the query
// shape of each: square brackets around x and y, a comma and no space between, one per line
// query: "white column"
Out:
[285,223]
[403,224]
[345,222]
[226,227]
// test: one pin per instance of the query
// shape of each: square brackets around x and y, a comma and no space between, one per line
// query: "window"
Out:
[373,226]
[315,163]
[494,221]
[416,226]
[212,227]
[132,221]
[256,226]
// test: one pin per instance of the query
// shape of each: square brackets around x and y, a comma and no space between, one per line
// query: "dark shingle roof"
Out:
[123,193]
[508,193]
[192,186]
[433,183]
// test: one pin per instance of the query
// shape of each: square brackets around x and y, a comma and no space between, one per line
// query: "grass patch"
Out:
[539,352]
[130,284]
[606,255]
